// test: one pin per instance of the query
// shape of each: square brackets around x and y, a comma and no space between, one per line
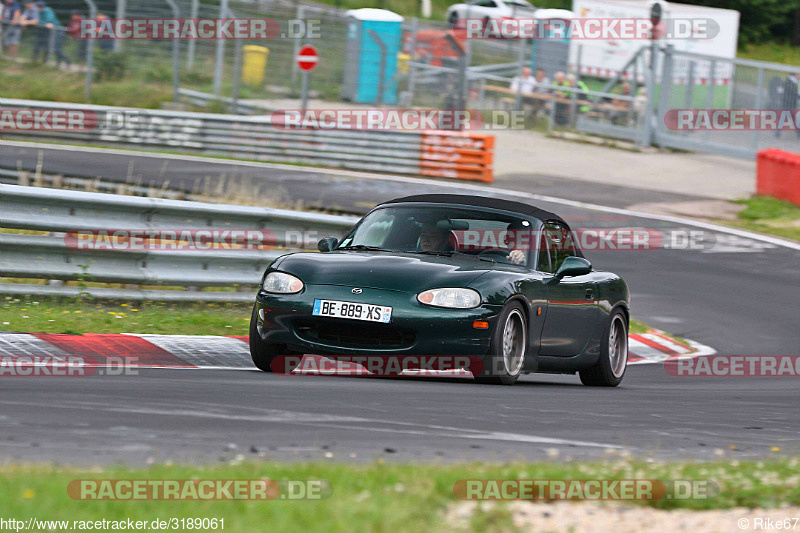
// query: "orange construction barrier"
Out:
[778,174]
[454,154]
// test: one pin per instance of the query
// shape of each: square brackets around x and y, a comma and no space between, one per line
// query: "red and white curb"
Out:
[233,353]
[656,347]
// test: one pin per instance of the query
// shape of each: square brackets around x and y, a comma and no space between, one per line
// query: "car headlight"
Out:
[453,298]
[282,283]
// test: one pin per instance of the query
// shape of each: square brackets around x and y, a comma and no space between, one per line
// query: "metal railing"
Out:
[61,212]
[264,139]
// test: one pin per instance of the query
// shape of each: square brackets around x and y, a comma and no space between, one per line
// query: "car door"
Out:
[572,313]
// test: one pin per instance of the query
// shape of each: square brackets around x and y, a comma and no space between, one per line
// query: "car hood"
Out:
[380,270]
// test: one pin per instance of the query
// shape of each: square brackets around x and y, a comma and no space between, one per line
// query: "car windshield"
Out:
[444,231]
[519,5]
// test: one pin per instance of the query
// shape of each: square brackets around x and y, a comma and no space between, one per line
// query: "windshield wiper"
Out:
[364,248]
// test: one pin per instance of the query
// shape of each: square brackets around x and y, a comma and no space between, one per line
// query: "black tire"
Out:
[496,369]
[610,367]
[262,353]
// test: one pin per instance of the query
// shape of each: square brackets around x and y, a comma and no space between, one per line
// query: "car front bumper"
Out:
[415,329]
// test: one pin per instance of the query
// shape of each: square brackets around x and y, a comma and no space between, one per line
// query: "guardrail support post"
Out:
[647,135]
[223,12]
[176,56]
[191,44]
[90,53]
[462,72]
[237,76]
[121,4]
[382,68]
[412,73]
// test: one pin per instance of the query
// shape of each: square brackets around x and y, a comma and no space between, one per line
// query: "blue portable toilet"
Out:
[363,55]
[549,52]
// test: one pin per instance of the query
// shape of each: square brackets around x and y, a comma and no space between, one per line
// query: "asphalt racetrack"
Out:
[734,293]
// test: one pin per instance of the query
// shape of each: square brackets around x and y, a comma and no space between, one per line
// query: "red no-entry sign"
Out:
[307,58]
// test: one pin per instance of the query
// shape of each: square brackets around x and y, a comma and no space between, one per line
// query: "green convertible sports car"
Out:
[495,287]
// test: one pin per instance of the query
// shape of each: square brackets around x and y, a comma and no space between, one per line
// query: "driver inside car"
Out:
[434,238]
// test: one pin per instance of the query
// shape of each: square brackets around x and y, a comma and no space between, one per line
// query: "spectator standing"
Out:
[12,30]
[562,108]
[74,32]
[105,44]
[49,32]
[789,98]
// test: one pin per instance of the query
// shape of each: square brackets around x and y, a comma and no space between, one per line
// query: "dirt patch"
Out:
[571,517]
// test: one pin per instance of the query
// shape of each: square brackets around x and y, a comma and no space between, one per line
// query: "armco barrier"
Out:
[447,154]
[778,174]
[49,256]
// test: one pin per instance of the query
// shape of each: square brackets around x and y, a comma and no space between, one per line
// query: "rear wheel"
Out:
[508,347]
[610,367]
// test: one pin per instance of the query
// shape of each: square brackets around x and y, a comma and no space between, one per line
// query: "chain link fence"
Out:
[431,68]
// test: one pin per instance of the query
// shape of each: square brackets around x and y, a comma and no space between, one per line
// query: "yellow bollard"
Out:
[255,64]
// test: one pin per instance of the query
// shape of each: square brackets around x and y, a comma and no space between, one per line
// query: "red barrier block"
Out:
[778,175]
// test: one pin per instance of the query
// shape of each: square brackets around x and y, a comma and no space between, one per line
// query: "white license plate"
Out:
[352,310]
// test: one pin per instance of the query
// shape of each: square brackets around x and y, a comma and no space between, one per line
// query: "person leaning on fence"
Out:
[789,98]
[620,106]
[562,108]
[48,32]
[524,83]
[575,83]
[542,81]
[12,30]
[30,15]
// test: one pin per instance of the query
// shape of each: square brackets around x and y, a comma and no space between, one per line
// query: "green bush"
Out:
[109,66]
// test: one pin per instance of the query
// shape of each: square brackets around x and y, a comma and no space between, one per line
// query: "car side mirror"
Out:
[573,266]
[327,244]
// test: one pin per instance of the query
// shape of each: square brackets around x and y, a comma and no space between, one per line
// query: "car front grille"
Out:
[355,334]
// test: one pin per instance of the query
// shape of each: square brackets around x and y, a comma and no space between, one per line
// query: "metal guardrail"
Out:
[60,211]
[450,154]
[200,98]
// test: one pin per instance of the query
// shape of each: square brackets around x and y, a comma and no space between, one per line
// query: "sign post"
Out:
[307,59]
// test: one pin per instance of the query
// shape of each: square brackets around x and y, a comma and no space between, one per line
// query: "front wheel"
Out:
[453,20]
[610,368]
[509,344]
[262,353]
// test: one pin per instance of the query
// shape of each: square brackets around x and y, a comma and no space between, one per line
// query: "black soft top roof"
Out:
[481,201]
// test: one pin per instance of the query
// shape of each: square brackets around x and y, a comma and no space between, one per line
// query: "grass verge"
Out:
[765,214]
[78,316]
[377,496]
